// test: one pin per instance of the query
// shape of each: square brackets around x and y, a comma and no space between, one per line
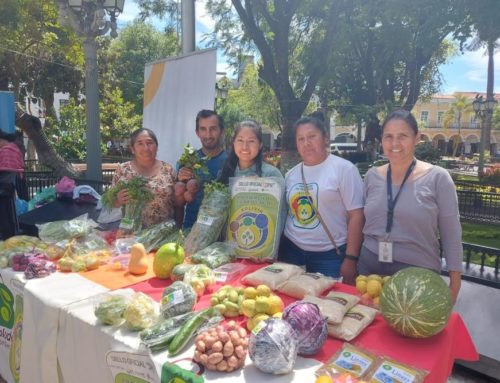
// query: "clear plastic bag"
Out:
[215,255]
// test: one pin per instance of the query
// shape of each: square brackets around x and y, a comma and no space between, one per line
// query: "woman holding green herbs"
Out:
[245,156]
[160,178]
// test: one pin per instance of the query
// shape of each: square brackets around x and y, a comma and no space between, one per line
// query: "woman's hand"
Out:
[348,271]
[455,283]
[122,198]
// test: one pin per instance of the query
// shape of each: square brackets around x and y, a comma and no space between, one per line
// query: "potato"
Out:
[203,359]
[197,355]
[233,361]
[224,337]
[240,352]
[217,346]
[222,366]
[215,358]
[228,349]
[200,345]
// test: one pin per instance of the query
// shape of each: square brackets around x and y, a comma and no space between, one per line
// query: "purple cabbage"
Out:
[274,348]
[310,326]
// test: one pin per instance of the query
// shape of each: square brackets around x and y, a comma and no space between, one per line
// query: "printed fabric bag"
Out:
[256,217]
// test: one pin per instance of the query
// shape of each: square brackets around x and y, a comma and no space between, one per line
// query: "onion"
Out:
[309,325]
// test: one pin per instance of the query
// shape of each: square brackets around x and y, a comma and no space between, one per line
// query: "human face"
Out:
[246,147]
[144,149]
[209,133]
[398,142]
[311,144]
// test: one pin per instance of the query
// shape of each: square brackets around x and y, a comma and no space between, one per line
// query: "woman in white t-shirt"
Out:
[334,195]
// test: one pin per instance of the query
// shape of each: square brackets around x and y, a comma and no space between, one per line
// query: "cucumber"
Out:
[188,330]
[158,337]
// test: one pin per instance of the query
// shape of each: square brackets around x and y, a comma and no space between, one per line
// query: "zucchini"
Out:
[158,337]
[188,330]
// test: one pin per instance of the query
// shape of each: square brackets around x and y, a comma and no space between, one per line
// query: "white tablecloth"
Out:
[84,346]
[44,299]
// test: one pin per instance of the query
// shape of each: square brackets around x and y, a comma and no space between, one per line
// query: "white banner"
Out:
[175,90]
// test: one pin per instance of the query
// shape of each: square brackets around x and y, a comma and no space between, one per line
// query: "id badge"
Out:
[385,251]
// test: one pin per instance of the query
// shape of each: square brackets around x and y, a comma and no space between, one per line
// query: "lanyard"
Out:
[391,203]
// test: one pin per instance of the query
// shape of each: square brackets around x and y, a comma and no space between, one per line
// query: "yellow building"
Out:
[431,115]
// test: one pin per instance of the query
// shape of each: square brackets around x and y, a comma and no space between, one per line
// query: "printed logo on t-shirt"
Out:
[302,211]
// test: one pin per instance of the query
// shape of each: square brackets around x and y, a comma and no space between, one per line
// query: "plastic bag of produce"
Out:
[156,235]
[179,271]
[355,321]
[178,298]
[215,255]
[273,346]
[39,268]
[272,275]
[211,218]
[141,312]
[53,232]
[199,277]
[256,217]
[109,309]
[301,285]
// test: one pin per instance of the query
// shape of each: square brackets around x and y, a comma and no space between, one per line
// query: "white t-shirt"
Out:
[335,187]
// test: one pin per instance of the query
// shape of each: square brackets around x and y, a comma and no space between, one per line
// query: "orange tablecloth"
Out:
[117,279]
[435,355]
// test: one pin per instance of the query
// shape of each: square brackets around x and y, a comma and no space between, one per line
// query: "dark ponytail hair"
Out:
[232,160]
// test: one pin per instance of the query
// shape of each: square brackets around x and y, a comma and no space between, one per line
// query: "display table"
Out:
[63,343]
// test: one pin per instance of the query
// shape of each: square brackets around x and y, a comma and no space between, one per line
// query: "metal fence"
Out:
[36,181]
[479,206]
[479,272]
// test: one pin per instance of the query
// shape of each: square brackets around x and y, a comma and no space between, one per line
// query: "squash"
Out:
[416,302]
[138,263]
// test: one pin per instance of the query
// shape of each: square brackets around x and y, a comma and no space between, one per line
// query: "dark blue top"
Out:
[214,164]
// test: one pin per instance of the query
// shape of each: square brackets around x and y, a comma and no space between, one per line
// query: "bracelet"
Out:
[351,257]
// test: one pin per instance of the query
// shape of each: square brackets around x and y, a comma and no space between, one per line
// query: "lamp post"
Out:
[484,110]
[88,18]
[221,91]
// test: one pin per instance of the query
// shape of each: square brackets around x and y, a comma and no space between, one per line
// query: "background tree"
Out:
[122,60]
[453,117]
[485,16]
[387,56]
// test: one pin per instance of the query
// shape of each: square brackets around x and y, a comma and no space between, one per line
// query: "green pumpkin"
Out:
[416,302]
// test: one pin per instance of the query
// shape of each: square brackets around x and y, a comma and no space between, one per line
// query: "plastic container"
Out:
[228,272]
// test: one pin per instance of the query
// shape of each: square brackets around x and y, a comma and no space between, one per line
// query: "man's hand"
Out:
[185,174]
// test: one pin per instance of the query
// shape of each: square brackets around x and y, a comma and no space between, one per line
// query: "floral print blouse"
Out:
[162,185]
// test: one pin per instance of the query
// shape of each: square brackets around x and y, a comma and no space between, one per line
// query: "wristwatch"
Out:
[351,257]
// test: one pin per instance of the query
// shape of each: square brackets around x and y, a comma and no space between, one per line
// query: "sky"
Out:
[467,72]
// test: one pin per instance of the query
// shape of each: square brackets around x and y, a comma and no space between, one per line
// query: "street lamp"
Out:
[483,109]
[221,90]
[88,18]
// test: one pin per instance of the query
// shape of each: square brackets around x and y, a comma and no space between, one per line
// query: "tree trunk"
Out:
[489,95]
[32,126]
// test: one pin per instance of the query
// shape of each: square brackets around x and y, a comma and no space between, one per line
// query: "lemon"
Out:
[278,315]
[376,301]
[263,290]
[275,305]
[250,324]
[373,287]
[262,305]
[374,277]
[361,278]
[361,286]
[259,318]
[247,307]
[324,379]
[250,293]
